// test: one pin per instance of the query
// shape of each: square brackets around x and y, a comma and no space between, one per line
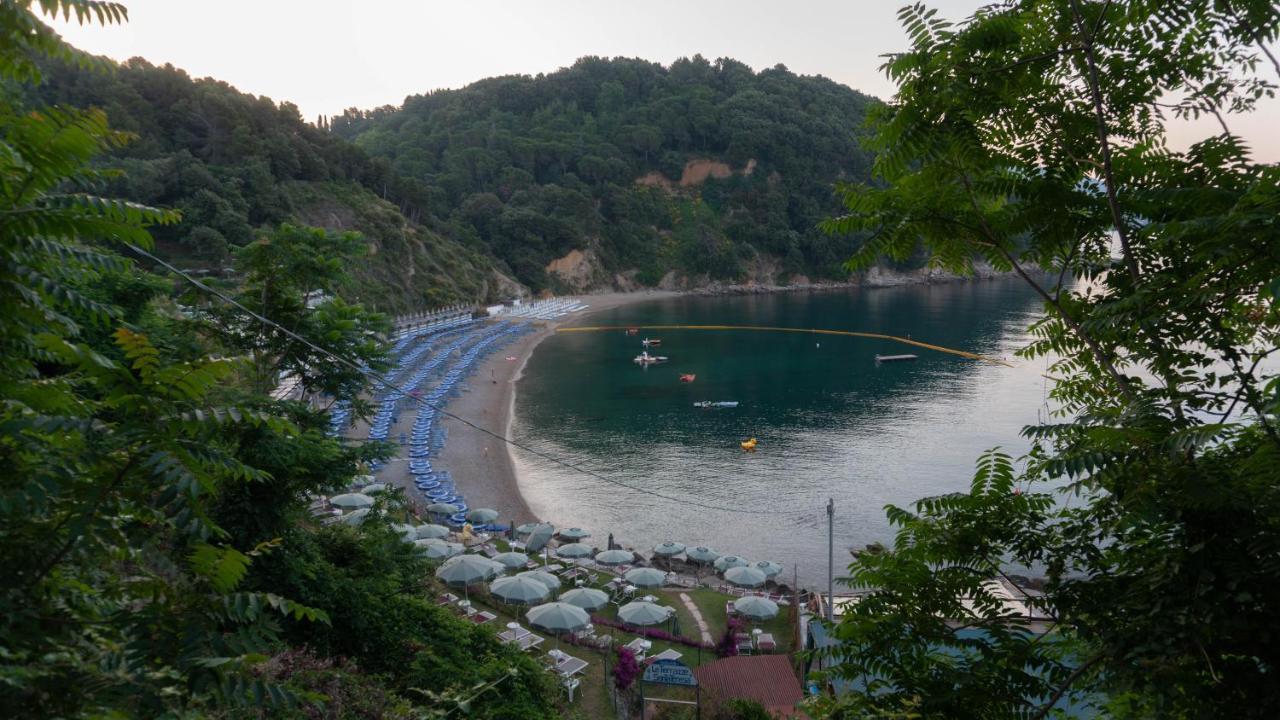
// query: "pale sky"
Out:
[328,55]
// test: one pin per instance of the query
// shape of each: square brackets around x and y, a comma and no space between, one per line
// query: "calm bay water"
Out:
[830,423]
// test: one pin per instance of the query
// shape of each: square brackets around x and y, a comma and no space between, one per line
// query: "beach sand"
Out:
[481,465]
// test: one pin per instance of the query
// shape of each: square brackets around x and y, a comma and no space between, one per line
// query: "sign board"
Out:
[669,672]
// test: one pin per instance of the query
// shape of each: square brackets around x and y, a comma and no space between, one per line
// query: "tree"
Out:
[1031,136]
[147,499]
[292,276]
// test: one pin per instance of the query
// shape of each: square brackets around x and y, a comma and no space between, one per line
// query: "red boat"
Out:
[688,377]
[633,331]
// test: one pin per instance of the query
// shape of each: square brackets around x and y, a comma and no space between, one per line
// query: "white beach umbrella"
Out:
[744,576]
[586,598]
[519,590]
[551,581]
[432,531]
[351,500]
[646,577]
[756,608]
[731,561]
[511,560]
[573,550]
[640,612]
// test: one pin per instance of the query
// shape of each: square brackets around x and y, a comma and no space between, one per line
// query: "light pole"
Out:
[831,559]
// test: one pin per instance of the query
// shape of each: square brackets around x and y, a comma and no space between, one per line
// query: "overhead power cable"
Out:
[383,381]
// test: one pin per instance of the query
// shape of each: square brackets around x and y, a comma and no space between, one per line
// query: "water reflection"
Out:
[830,422]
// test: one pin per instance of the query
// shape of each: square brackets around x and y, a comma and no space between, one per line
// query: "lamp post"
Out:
[831,559]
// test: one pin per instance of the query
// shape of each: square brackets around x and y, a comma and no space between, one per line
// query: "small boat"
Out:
[721,404]
[645,358]
[895,358]
[688,378]
[651,342]
[633,331]
[748,444]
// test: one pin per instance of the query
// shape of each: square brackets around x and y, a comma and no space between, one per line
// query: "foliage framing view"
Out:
[1032,135]
[159,554]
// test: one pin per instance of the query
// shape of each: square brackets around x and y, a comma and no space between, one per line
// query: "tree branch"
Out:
[1094,347]
[1104,142]
[1057,694]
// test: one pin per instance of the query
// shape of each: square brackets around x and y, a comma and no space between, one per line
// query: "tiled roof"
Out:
[767,679]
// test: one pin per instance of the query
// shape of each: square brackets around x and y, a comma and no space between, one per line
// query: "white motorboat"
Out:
[645,358]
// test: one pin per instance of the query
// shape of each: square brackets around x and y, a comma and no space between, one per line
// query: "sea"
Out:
[830,422]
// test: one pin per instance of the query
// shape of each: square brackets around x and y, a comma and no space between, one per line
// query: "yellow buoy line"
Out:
[811,331]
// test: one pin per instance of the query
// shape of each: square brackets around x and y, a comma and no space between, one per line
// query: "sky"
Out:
[328,55]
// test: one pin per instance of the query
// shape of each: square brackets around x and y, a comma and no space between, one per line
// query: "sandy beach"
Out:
[481,465]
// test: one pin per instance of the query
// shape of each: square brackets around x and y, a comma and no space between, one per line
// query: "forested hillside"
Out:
[703,170]
[235,164]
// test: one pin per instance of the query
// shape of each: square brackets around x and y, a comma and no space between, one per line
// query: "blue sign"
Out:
[669,672]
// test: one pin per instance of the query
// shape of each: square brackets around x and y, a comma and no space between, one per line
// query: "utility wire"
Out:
[381,380]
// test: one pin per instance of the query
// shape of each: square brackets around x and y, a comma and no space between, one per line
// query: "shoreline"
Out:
[488,475]
[485,473]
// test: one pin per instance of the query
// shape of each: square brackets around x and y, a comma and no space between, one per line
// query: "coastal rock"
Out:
[579,270]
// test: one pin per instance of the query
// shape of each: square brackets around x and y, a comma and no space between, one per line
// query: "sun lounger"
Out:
[483,617]
[668,654]
[571,666]
[766,642]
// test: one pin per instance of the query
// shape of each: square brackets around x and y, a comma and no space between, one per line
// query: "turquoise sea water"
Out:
[830,422]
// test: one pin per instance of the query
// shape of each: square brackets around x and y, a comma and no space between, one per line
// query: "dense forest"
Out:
[234,164]
[700,169]
[695,172]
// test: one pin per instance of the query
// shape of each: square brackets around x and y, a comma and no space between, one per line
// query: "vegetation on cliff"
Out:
[702,168]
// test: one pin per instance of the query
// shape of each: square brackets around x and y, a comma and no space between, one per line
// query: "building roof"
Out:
[767,679]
